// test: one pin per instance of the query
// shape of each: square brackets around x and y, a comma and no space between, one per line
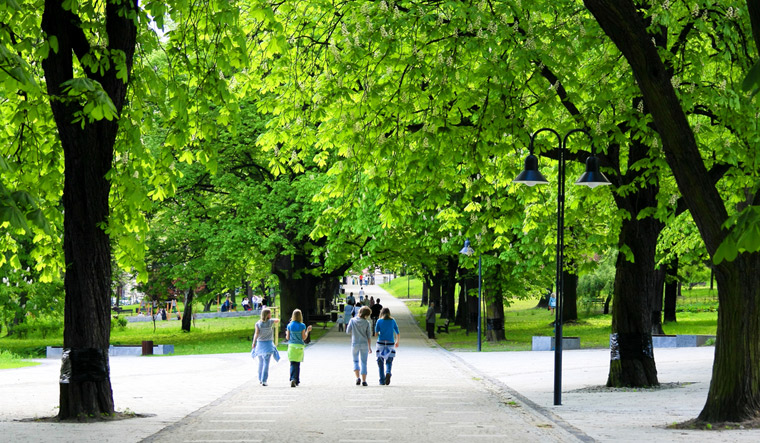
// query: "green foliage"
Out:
[9,360]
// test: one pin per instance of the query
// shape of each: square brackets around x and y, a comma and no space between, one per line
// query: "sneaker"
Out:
[292,383]
[358,381]
[364,383]
[263,383]
[388,378]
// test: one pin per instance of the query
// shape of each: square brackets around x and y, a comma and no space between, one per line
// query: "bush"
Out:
[118,323]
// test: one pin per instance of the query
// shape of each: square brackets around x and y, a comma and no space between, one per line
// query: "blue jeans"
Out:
[360,352]
[384,370]
[264,367]
[295,371]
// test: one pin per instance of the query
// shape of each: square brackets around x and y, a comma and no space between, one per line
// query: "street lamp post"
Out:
[467,250]
[591,178]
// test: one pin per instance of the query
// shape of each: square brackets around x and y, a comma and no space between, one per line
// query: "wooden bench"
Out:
[118,310]
[444,327]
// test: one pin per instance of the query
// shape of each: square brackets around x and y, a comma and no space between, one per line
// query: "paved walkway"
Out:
[434,395]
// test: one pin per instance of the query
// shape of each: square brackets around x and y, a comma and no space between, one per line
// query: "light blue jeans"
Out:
[264,367]
[360,352]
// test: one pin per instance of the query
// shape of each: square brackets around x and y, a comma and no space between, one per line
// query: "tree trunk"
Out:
[543,302]
[187,314]
[656,306]
[425,290]
[495,318]
[671,290]
[85,388]
[733,394]
[448,305]
[570,297]
[632,359]
[435,289]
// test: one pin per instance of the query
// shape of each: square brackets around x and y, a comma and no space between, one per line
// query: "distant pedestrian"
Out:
[376,308]
[430,320]
[371,301]
[341,322]
[296,334]
[348,312]
[552,302]
[387,342]
[360,330]
[350,300]
[263,346]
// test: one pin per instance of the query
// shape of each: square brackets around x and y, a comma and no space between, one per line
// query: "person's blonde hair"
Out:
[297,316]
[266,314]
[365,312]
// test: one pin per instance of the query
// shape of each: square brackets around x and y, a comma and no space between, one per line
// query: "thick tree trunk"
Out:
[298,289]
[495,318]
[656,305]
[671,290]
[85,386]
[448,305]
[187,315]
[543,302]
[570,299]
[733,394]
[436,286]
[632,358]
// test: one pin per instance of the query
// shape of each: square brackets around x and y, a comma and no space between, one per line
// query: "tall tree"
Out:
[88,152]
[733,395]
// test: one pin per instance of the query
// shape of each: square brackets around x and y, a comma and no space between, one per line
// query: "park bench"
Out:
[444,327]
[118,310]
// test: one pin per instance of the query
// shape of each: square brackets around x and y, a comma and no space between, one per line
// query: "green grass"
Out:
[523,320]
[697,315]
[9,360]
[207,336]
[398,287]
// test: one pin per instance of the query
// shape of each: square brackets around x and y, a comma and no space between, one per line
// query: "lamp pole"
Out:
[591,178]
[467,250]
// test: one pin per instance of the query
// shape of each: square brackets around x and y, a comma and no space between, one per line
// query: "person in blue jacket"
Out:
[387,342]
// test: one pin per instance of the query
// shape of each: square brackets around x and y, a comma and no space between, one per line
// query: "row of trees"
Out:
[303,138]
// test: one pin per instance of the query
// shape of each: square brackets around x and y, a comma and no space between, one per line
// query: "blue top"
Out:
[385,329]
[295,328]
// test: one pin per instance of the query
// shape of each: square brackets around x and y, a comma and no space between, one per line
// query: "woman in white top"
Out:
[263,344]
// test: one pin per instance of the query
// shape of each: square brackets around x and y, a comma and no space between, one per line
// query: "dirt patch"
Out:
[88,419]
[660,387]
[696,424]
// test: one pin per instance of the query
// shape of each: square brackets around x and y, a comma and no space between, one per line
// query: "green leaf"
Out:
[726,251]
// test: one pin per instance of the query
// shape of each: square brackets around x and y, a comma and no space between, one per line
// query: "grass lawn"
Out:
[9,360]
[696,315]
[207,336]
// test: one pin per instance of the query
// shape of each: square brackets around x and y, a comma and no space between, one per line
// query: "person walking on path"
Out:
[360,331]
[263,346]
[296,334]
[430,320]
[387,342]
[376,308]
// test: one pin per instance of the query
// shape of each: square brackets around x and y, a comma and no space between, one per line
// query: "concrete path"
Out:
[435,395]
